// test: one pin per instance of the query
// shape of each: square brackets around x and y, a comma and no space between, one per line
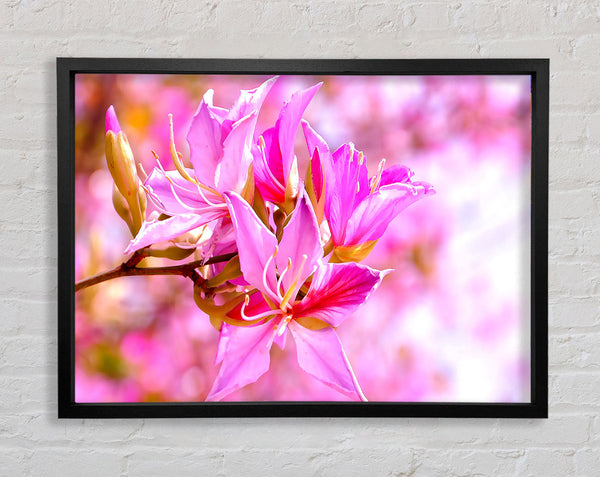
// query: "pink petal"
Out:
[232,171]
[174,195]
[256,305]
[300,237]
[246,358]
[394,174]
[273,154]
[320,160]
[220,114]
[111,123]
[288,122]
[204,138]
[373,215]
[224,338]
[321,354]
[347,184]
[256,245]
[280,340]
[337,290]
[161,230]
[250,100]
[268,171]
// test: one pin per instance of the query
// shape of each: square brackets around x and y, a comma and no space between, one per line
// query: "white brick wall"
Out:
[34,442]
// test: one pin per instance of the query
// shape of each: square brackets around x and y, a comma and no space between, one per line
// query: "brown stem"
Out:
[129,268]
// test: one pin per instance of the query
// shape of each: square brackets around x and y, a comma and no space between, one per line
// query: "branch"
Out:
[129,268]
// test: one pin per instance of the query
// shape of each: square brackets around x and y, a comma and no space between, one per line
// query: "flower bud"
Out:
[121,165]
[122,208]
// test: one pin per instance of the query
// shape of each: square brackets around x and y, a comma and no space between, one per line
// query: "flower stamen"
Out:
[292,289]
[267,265]
[279,284]
[283,325]
[376,180]
[174,155]
[264,314]
[205,198]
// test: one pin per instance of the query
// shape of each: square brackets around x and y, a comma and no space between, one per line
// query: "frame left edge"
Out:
[65,122]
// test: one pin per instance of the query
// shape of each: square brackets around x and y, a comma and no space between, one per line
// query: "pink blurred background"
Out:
[451,324]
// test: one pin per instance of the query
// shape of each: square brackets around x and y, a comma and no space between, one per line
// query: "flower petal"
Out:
[232,171]
[393,174]
[347,184]
[111,122]
[321,161]
[174,195]
[245,359]
[161,230]
[337,290]
[373,215]
[256,245]
[300,237]
[288,122]
[268,171]
[204,139]
[256,306]
[224,338]
[250,100]
[321,354]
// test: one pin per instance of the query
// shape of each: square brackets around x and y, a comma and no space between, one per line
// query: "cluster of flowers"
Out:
[294,243]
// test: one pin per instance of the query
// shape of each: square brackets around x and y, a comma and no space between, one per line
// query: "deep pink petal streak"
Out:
[337,290]
[321,160]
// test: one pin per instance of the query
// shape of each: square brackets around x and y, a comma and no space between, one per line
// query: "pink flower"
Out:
[284,300]
[358,209]
[276,167]
[220,142]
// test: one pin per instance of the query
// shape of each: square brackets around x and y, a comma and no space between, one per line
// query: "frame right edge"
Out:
[539,237]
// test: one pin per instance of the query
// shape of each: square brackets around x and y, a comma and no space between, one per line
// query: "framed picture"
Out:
[302,237]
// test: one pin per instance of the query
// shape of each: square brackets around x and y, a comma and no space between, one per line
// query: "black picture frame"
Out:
[539,71]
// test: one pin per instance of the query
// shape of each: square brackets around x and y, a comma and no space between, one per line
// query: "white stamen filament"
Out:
[283,325]
[206,199]
[292,289]
[260,315]
[377,179]
[159,165]
[267,265]
[185,206]
[279,284]
[174,154]
[142,172]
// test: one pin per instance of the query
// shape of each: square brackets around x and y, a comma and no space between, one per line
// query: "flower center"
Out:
[293,288]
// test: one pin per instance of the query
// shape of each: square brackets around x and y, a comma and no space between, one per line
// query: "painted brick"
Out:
[34,33]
